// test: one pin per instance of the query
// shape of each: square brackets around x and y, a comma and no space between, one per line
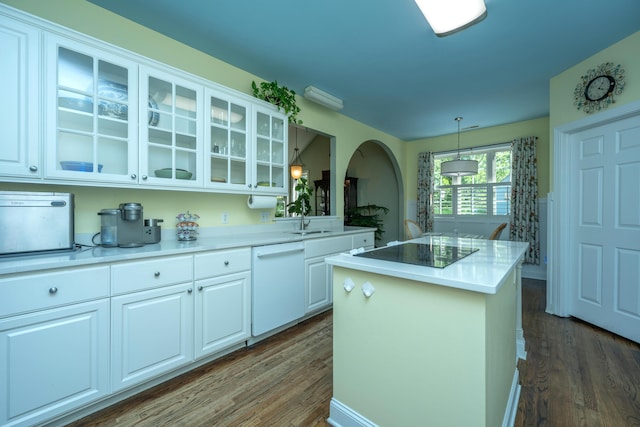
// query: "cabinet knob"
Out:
[226,263]
[134,176]
[189,290]
[53,290]
[249,185]
[200,288]
[156,274]
[144,177]
[33,168]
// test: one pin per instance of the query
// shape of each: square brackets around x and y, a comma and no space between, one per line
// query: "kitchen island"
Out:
[417,345]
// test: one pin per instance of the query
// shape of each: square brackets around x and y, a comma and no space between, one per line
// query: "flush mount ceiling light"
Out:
[323,98]
[296,163]
[459,167]
[449,16]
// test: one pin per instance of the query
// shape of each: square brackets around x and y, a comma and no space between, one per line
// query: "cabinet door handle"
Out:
[189,290]
[134,176]
[53,290]
[144,177]
[33,168]
[200,288]
[226,263]
[156,274]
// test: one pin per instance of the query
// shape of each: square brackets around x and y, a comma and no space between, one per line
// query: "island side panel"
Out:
[501,349]
[413,354]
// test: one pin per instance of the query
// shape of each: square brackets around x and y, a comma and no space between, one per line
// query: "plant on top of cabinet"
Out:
[280,96]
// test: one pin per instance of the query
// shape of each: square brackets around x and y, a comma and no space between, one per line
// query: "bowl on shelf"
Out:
[79,166]
[166,173]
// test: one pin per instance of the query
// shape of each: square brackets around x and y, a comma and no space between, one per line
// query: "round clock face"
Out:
[599,88]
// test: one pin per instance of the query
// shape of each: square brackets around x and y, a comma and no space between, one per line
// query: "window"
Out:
[487,194]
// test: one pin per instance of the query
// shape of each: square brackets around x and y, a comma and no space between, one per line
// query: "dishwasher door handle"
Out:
[278,253]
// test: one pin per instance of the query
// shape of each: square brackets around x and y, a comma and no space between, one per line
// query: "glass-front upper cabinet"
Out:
[227,142]
[170,130]
[270,166]
[91,105]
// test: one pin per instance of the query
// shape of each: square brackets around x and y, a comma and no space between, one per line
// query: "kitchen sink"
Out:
[305,232]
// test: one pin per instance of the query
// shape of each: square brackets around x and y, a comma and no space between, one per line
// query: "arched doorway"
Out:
[379,182]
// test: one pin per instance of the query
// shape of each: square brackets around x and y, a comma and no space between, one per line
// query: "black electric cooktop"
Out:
[428,255]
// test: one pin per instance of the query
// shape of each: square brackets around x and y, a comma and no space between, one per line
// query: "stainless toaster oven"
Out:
[34,222]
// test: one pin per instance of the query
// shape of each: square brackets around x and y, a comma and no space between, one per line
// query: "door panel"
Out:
[606,234]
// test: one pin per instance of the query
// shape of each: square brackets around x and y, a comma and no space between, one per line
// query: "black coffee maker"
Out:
[123,227]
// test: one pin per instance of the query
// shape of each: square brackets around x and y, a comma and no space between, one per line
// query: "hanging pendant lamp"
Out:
[459,167]
[296,164]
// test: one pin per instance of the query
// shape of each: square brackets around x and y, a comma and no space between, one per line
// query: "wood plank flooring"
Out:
[574,375]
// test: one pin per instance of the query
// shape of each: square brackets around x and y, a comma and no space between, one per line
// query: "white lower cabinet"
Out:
[151,334]
[318,278]
[152,329]
[223,313]
[54,346]
[223,300]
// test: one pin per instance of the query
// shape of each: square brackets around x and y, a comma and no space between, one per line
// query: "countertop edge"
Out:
[98,255]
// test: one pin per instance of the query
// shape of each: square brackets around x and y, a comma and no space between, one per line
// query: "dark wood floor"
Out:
[574,375]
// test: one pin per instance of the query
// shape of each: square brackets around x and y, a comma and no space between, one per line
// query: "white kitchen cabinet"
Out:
[20,102]
[171,122]
[151,318]
[318,293]
[270,170]
[318,274]
[54,343]
[228,144]
[151,334]
[223,300]
[91,104]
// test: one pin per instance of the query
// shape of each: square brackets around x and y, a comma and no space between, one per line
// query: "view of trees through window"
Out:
[488,193]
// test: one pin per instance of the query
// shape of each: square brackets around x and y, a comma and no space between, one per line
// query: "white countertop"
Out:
[482,271]
[98,254]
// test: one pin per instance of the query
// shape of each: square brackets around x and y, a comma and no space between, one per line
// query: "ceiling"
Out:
[384,61]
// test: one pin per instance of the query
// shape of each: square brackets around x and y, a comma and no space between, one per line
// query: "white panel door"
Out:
[606,229]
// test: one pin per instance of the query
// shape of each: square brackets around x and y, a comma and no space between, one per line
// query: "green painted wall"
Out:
[562,111]
[417,354]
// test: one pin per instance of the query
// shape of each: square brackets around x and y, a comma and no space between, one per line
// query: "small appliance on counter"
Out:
[152,231]
[32,222]
[122,227]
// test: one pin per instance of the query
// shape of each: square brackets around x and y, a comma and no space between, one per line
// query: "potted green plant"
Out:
[303,200]
[280,96]
[367,216]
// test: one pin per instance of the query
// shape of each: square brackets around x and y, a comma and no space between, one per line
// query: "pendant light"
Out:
[459,167]
[296,163]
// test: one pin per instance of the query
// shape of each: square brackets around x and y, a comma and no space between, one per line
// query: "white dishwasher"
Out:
[278,286]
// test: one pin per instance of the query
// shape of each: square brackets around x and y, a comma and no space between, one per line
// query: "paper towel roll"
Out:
[262,202]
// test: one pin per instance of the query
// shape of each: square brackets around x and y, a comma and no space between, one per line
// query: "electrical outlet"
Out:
[225,217]
[264,217]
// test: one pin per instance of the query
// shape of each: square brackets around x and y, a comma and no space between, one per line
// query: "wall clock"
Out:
[598,86]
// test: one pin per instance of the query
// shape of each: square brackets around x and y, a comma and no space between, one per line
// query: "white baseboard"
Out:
[341,415]
[512,404]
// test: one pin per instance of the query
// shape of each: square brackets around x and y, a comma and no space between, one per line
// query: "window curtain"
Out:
[524,197]
[425,191]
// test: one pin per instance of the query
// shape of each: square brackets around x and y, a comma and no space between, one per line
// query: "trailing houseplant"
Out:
[280,96]
[367,216]
[304,198]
